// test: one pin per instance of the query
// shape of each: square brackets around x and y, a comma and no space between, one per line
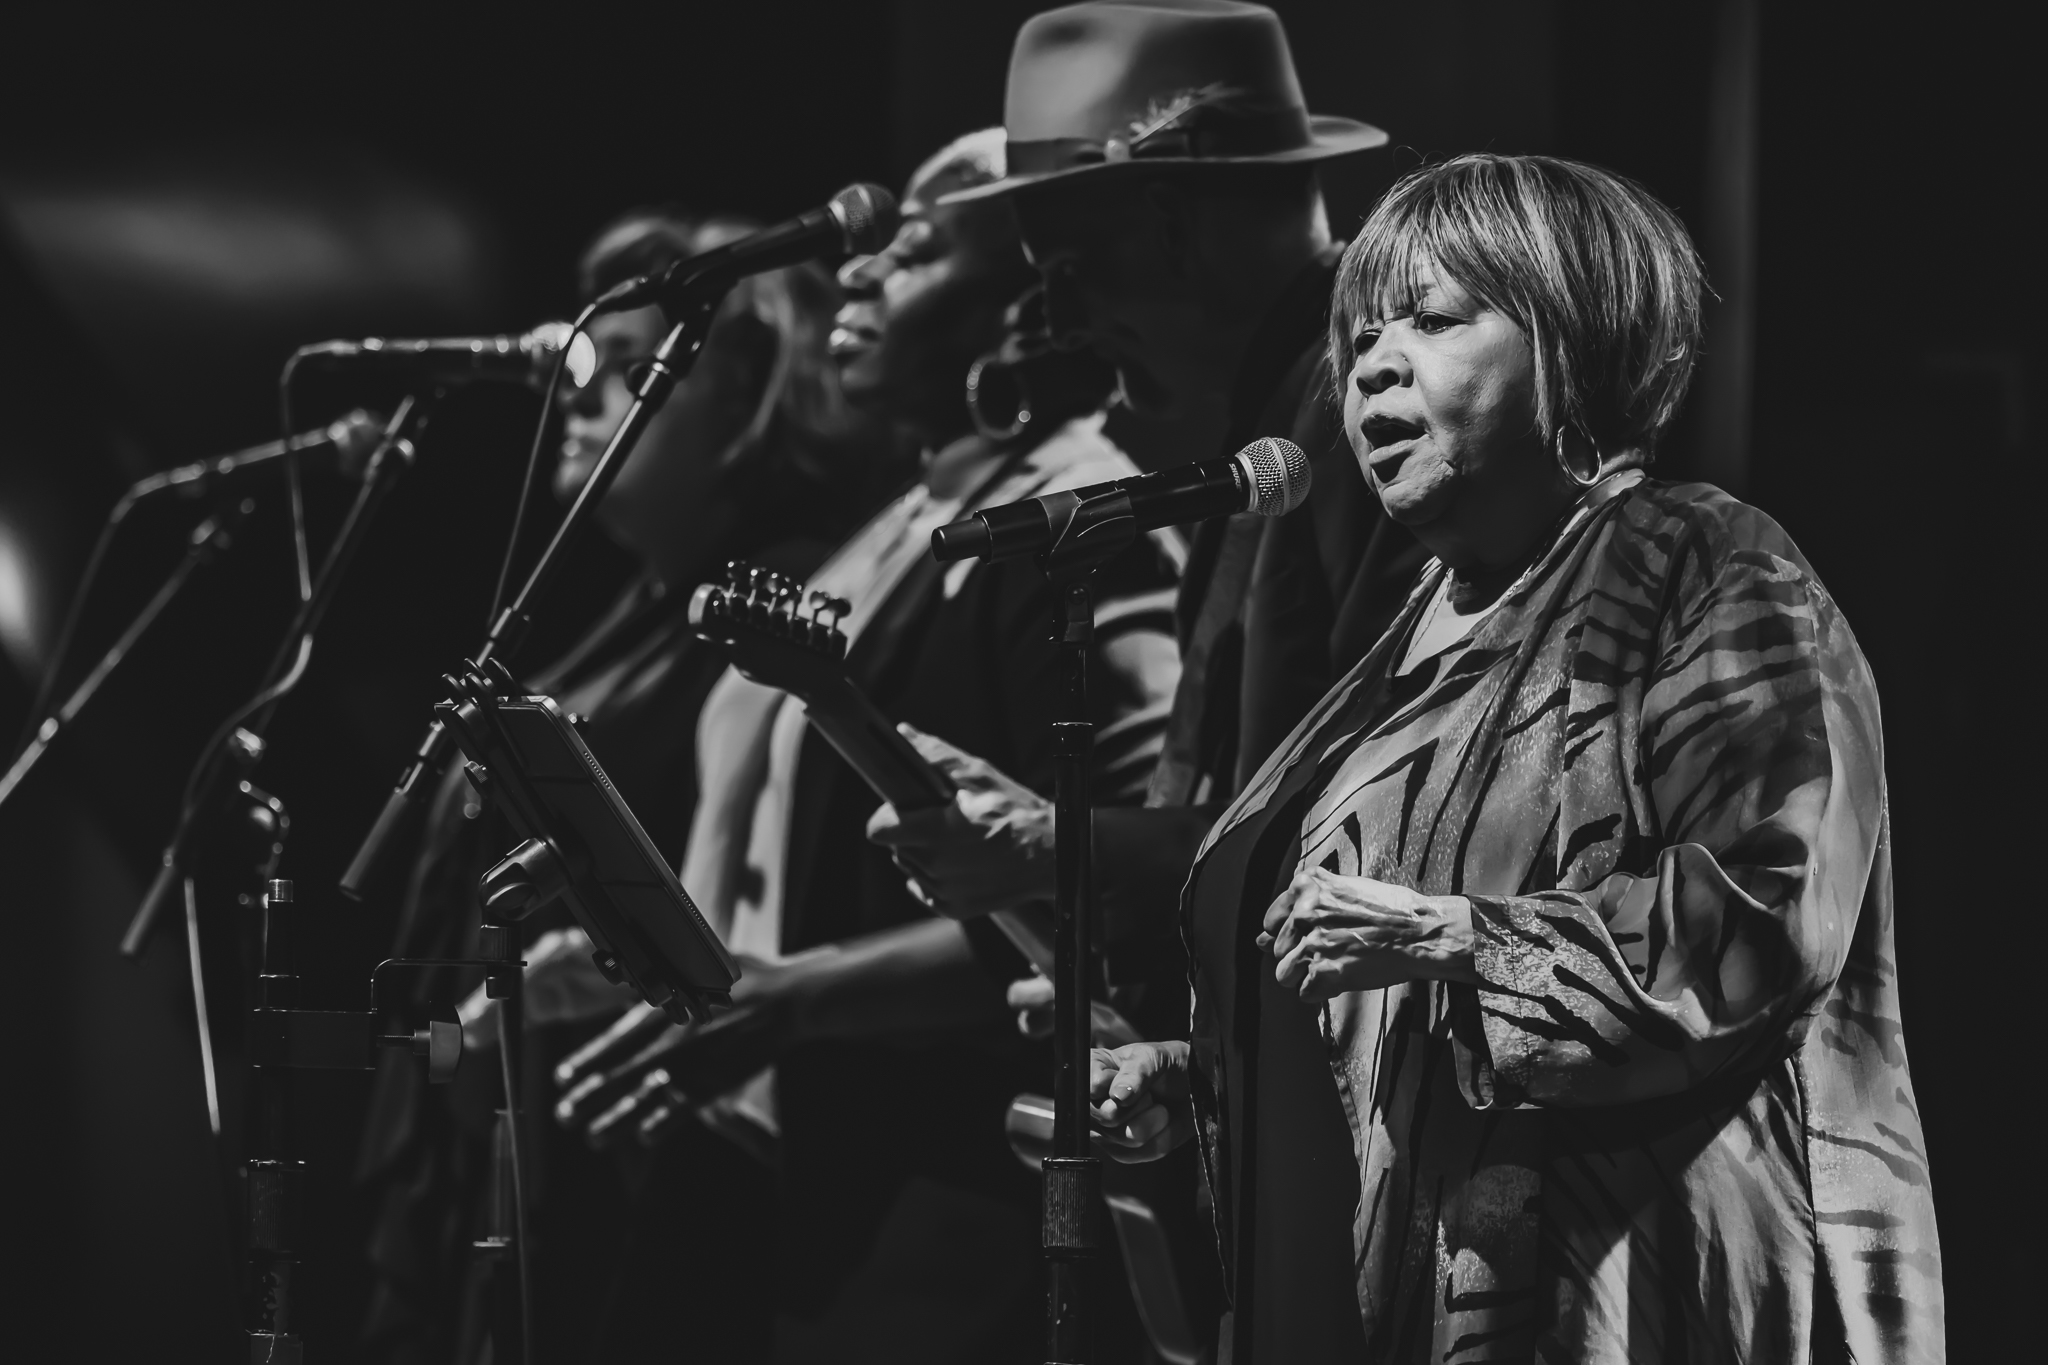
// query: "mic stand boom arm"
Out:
[243,743]
[669,364]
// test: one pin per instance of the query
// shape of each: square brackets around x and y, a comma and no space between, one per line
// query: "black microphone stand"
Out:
[1093,532]
[657,378]
[281,1037]
[240,747]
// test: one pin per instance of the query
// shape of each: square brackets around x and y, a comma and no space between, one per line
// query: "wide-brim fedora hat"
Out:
[1097,89]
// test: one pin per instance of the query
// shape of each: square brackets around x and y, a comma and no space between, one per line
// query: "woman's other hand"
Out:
[1330,934]
[991,849]
[1138,1098]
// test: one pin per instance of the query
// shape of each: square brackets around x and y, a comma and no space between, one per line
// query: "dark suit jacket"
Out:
[1321,585]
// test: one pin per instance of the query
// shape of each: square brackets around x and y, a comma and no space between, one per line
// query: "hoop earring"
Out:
[1559,447]
[998,399]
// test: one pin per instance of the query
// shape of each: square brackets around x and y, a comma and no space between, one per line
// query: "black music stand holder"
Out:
[580,845]
[583,846]
[1086,535]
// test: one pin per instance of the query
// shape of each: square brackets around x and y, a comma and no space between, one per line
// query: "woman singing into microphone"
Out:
[1546,1002]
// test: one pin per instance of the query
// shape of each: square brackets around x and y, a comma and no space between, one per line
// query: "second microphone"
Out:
[1269,477]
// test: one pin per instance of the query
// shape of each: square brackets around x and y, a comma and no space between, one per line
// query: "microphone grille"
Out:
[1279,475]
[867,216]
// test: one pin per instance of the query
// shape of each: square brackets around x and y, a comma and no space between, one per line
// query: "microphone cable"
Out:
[540,434]
[506,1046]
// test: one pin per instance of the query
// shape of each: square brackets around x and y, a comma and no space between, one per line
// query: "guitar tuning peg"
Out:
[756,585]
[823,604]
[781,593]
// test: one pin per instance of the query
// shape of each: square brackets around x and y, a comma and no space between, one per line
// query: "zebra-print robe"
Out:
[1675,1123]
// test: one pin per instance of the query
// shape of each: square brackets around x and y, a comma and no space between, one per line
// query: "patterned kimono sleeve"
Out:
[1760,751]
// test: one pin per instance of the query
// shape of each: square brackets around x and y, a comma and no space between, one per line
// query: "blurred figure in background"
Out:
[755,455]
[906,1231]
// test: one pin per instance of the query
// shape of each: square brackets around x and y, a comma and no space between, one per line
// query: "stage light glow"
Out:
[18,634]
[582,361]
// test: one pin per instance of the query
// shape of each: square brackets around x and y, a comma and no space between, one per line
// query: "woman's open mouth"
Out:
[846,341]
[856,328]
[1390,440]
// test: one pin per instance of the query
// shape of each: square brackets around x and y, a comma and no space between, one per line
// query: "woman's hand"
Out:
[1331,934]
[1138,1097]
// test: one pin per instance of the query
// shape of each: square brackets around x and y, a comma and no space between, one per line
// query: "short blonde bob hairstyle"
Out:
[1601,277]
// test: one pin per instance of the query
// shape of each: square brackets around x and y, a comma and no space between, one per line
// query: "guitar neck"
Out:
[755,615]
[899,774]
[876,749]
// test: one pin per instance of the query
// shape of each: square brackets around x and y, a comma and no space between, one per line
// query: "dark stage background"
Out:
[182,204]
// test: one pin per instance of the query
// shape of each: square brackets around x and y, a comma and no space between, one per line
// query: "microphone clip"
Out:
[1086,533]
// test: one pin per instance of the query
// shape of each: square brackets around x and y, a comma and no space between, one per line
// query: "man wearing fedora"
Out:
[1162,162]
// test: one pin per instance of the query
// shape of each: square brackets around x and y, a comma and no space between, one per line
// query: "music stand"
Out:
[584,846]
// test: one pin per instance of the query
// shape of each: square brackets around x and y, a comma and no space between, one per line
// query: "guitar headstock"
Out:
[778,635]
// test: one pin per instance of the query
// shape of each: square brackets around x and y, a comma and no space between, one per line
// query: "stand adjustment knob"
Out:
[440,1044]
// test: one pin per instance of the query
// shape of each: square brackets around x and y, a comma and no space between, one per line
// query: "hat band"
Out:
[1238,135]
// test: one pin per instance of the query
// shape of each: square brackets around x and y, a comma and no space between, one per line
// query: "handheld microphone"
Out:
[859,220]
[528,358]
[1269,477]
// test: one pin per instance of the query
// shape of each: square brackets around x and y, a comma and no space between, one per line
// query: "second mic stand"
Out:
[242,746]
[1095,531]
